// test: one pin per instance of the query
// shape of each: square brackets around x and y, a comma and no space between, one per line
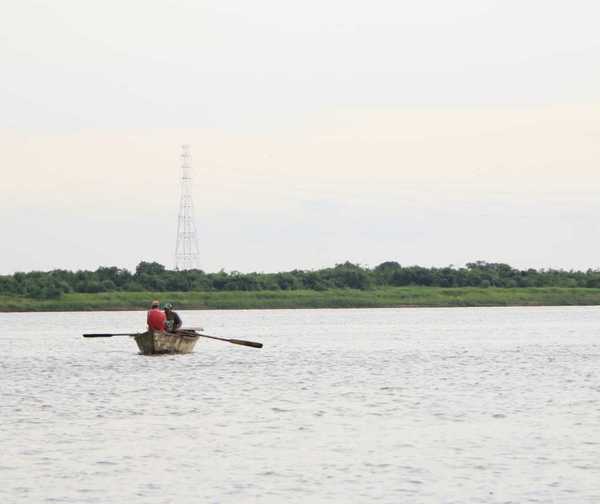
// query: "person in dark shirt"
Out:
[173,320]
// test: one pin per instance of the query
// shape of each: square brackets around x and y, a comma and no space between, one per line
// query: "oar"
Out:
[253,344]
[108,335]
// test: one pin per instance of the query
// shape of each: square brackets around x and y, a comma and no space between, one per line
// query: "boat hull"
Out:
[159,342]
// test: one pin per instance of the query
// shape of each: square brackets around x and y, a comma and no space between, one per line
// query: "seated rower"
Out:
[156,317]
[173,321]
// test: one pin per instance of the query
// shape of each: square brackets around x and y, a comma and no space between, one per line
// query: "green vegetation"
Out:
[383,297]
[344,285]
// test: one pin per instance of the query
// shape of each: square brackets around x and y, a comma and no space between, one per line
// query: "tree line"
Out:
[152,276]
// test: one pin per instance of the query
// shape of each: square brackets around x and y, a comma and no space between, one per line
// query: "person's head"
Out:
[155,304]
[168,307]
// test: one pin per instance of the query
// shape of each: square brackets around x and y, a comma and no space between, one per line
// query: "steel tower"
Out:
[187,253]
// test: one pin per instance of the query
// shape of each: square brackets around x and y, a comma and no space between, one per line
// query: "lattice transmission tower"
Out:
[187,252]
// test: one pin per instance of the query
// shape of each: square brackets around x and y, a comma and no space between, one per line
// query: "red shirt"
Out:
[156,319]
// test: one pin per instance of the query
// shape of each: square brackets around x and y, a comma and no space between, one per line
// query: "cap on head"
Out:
[155,304]
[168,306]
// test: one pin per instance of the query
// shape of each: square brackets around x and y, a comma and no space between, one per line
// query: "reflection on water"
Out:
[411,405]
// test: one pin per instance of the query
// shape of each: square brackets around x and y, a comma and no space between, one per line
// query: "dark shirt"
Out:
[171,315]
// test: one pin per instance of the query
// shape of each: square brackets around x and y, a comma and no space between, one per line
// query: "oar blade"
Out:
[246,343]
[110,335]
[252,344]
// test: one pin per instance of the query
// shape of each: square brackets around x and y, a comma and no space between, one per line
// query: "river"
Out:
[473,405]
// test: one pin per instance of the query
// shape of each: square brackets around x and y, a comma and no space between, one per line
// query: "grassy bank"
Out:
[335,298]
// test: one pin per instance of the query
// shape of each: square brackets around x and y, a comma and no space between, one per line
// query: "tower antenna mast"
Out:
[187,253]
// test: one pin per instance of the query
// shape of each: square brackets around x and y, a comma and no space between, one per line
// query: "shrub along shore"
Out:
[383,297]
[345,285]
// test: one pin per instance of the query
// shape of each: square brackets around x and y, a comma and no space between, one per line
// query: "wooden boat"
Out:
[160,342]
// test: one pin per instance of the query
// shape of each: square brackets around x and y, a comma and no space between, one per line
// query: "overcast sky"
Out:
[429,132]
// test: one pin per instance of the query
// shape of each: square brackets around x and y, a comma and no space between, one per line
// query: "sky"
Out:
[432,132]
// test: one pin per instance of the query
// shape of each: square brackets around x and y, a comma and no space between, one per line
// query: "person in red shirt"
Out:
[156,317]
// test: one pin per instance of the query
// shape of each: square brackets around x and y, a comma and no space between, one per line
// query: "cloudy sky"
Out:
[428,132]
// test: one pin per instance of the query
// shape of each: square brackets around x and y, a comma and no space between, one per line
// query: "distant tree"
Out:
[108,286]
[348,275]
[287,281]
[240,282]
[134,287]
[218,280]
[149,268]
[152,276]
[384,272]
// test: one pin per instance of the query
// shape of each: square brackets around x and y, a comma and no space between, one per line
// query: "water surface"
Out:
[490,405]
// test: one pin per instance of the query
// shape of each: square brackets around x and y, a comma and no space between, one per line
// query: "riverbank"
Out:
[387,297]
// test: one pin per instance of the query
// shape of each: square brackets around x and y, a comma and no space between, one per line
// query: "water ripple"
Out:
[428,406]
